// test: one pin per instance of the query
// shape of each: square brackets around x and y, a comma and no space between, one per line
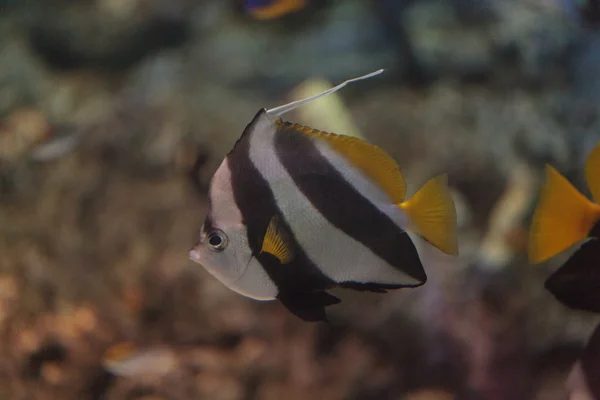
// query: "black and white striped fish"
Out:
[294,211]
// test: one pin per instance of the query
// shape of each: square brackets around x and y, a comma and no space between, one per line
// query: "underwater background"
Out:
[114,114]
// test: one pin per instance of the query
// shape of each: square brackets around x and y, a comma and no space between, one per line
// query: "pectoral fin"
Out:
[277,242]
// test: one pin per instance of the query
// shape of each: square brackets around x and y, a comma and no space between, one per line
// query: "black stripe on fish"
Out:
[342,204]
[208,221]
[576,282]
[300,279]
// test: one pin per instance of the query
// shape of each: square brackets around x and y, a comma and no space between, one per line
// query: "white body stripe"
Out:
[223,207]
[338,255]
[234,266]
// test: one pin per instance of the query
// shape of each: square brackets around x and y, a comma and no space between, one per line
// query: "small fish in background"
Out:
[272,9]
[506,237]
[585,11]
[294,211]
[125,359]
[27,133]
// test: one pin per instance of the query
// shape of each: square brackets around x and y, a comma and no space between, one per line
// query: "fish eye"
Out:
[217,240]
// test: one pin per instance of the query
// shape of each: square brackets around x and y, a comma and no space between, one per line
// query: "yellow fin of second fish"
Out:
[276,242]
[562,217]
[278,8]
[433,214]
[370,159]
[592,173]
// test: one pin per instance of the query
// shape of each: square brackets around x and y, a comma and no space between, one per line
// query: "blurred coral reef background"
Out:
[105,107]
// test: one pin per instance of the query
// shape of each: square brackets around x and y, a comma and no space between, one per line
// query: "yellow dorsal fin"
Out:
[592,173]
[276,242]
[431,211]
[562,217]
[372,160]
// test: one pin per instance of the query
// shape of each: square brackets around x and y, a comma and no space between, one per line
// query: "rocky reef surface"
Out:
[105,107]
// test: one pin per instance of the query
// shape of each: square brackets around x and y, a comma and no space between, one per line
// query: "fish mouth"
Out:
[194,253]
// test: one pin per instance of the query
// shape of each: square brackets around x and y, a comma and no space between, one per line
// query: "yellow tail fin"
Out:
[432,212]
[592,172]
[562,217]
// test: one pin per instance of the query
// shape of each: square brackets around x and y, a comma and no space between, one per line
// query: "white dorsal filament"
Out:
[279,111]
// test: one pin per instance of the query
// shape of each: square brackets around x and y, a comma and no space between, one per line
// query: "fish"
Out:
[294,211]
[126,359]
[272,9]
[563,216]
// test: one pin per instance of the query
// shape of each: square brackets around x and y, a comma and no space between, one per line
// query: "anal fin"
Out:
[372,287]
[309,306]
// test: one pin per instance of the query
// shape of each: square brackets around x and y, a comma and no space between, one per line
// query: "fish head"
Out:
[222,247]
[223,251]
